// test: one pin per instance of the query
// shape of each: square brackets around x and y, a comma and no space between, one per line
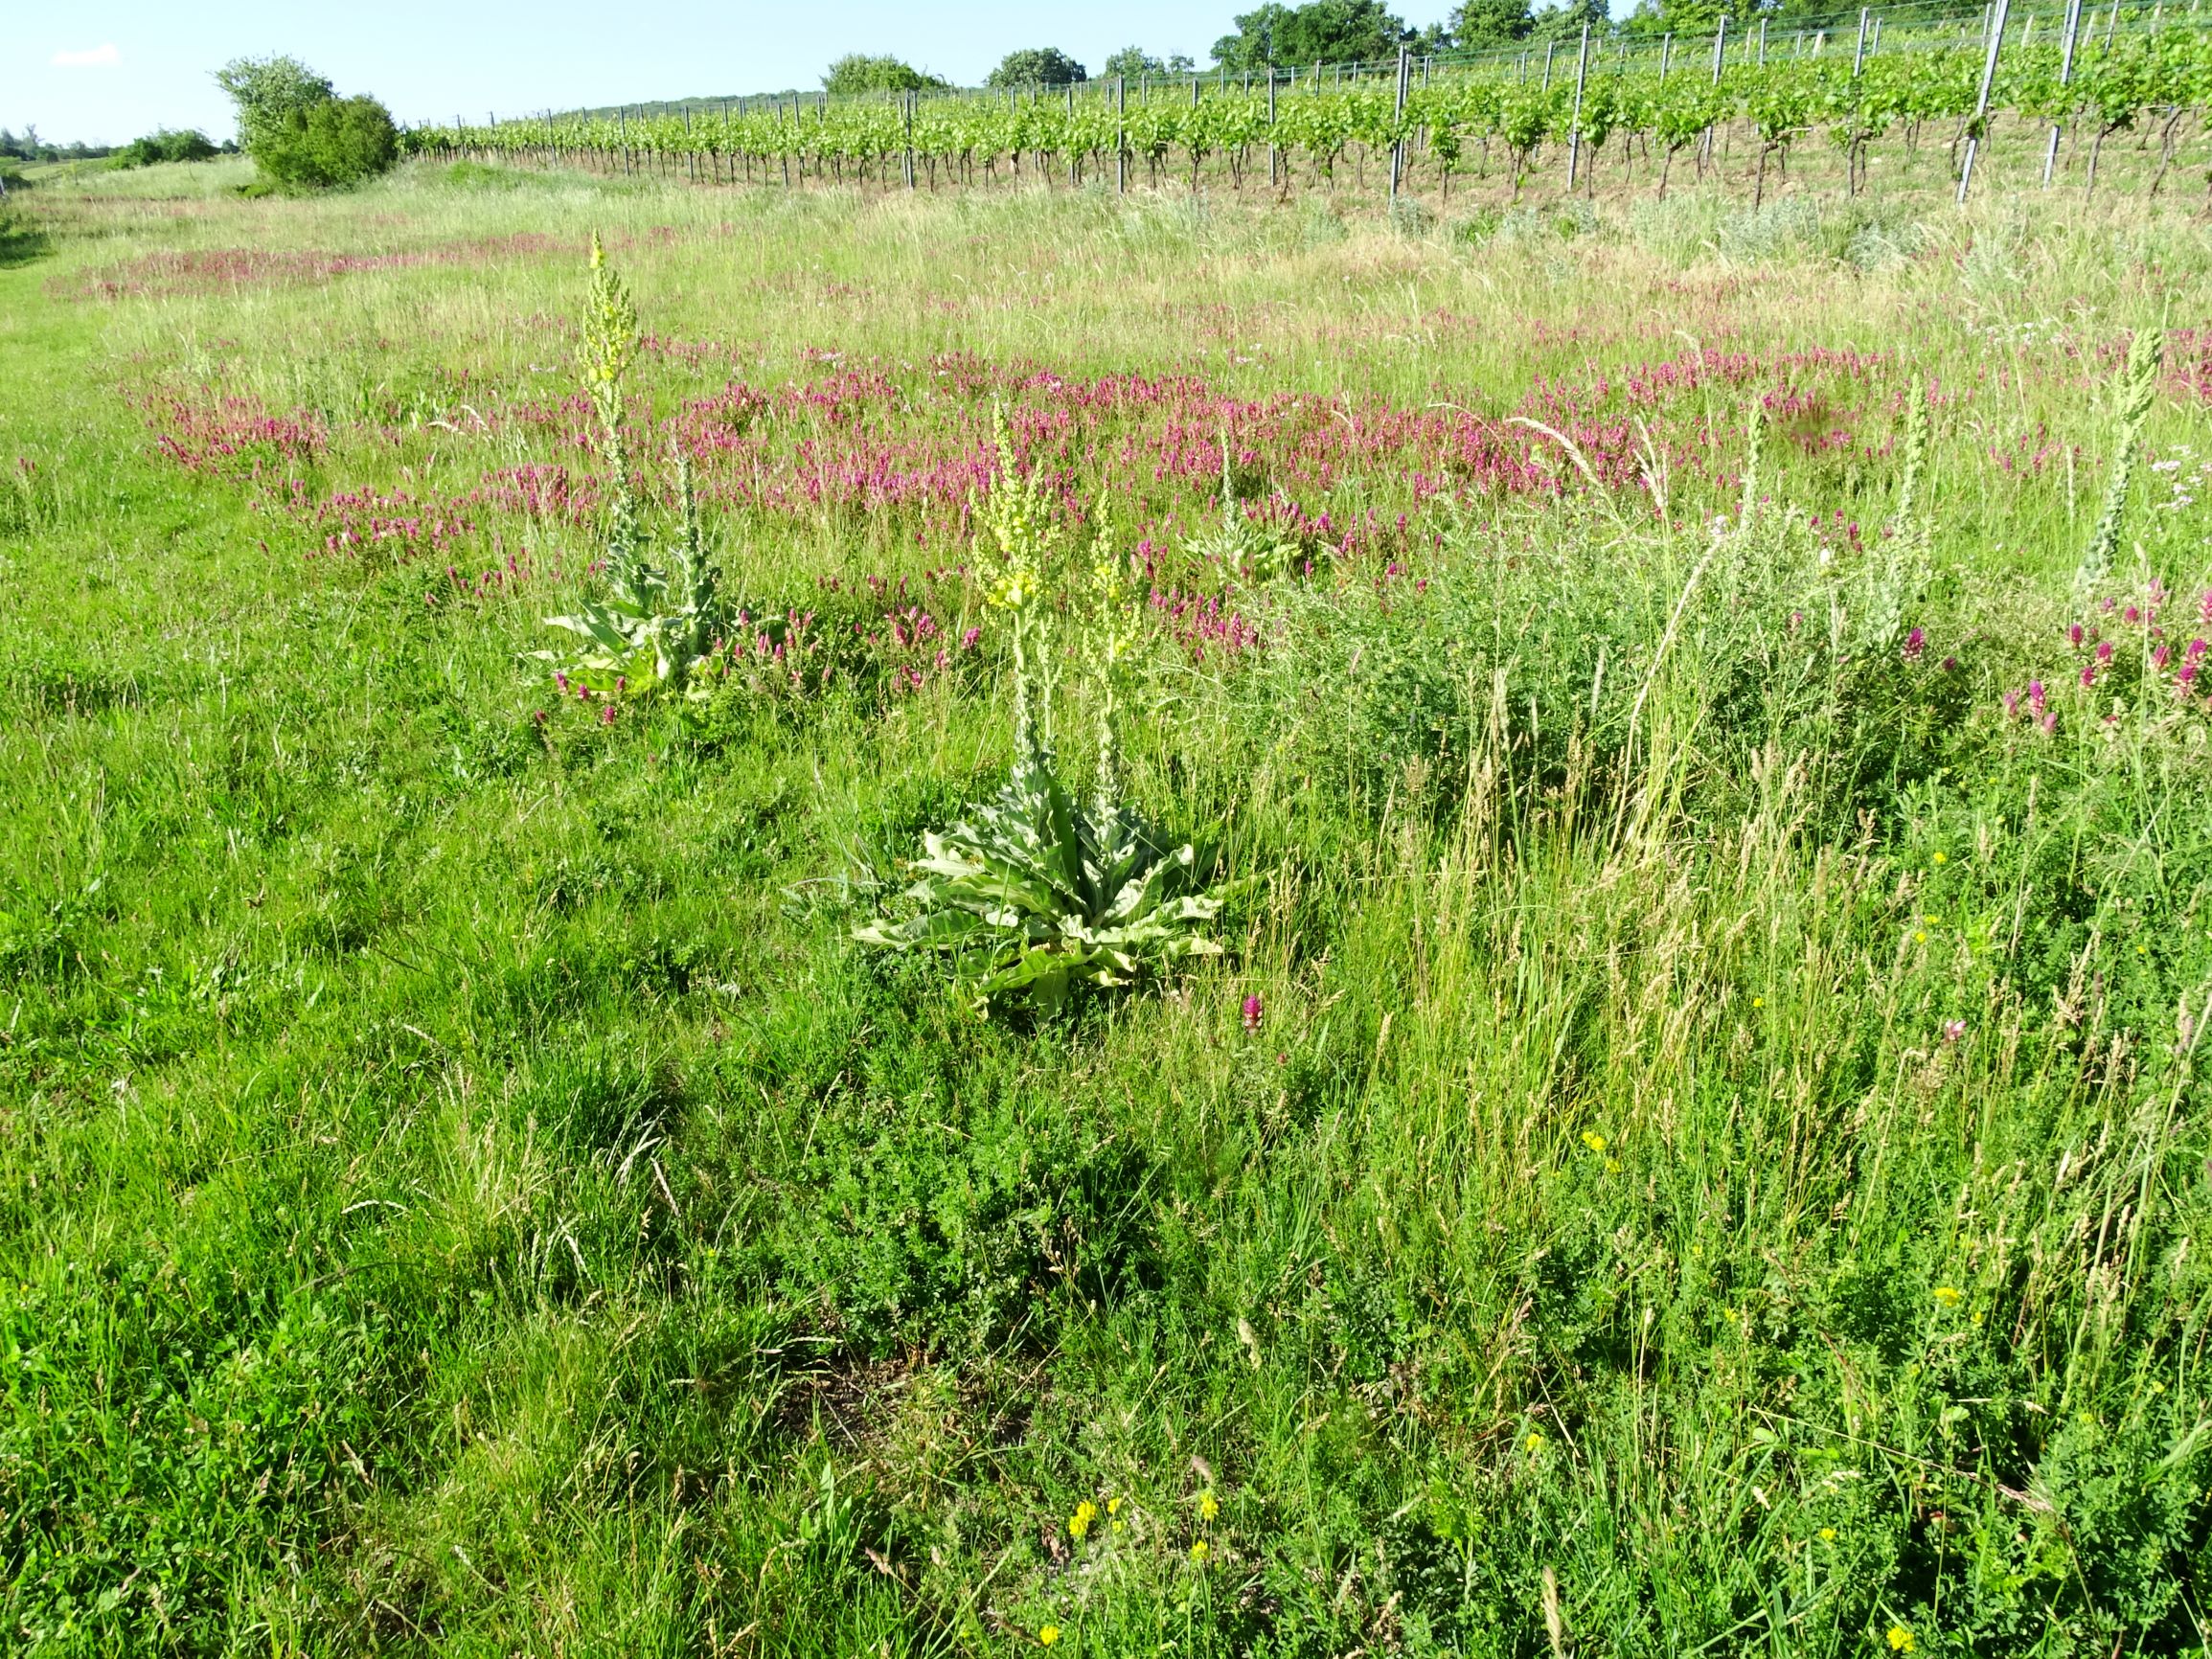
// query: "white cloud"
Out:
[104,56]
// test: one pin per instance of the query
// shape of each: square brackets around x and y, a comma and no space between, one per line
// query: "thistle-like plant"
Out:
[1902,578]
[1034,893]
[2138,391]
[654,626]
[1238,545]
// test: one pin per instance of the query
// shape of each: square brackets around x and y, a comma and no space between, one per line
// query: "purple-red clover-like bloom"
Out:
[1915,643]
[1252,1012]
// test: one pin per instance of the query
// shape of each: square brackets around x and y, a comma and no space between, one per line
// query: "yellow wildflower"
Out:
[1919,937]
[1114,1506]
[1758,1002]
[1948,1296]
[1534,1442]
[1901,1640]
[1827,1535]
[1939,858]
[1198,1551]
[1208,1507]
[1047,1635]
[1593,1140]
[1079,1522]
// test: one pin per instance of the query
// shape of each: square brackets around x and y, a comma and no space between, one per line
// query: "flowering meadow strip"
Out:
[1339,474]
[227,270]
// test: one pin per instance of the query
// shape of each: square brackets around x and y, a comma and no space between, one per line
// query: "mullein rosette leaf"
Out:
[652,627]
[1237,543]
[1035,894]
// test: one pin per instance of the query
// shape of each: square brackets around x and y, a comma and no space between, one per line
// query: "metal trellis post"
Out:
[1271,156]
[2065,77]
[1121,135]
[1575,125]
[1989,74]
[1720,46]
[1398,133]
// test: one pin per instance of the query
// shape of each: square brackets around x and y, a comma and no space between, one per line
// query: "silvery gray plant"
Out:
[1034,893]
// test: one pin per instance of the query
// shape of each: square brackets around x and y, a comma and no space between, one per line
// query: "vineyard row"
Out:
[2068,74]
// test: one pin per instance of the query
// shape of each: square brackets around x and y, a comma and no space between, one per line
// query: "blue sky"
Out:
[107,72]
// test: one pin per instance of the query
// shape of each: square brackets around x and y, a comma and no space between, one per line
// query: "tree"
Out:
[1682,18]
[1134,63]
[1565,21]
[856,72]
[1481,23]
[337,141]
[1036,66]
[1319,32]
[269,91]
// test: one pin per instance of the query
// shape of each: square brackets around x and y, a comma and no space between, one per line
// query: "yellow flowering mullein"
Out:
[1017,533]
[1113,635]
[610,343]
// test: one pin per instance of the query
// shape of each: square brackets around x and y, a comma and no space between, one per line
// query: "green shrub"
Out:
[162,145]
[340,141]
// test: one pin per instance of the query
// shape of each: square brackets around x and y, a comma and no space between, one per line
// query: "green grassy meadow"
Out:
[1712,1167]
